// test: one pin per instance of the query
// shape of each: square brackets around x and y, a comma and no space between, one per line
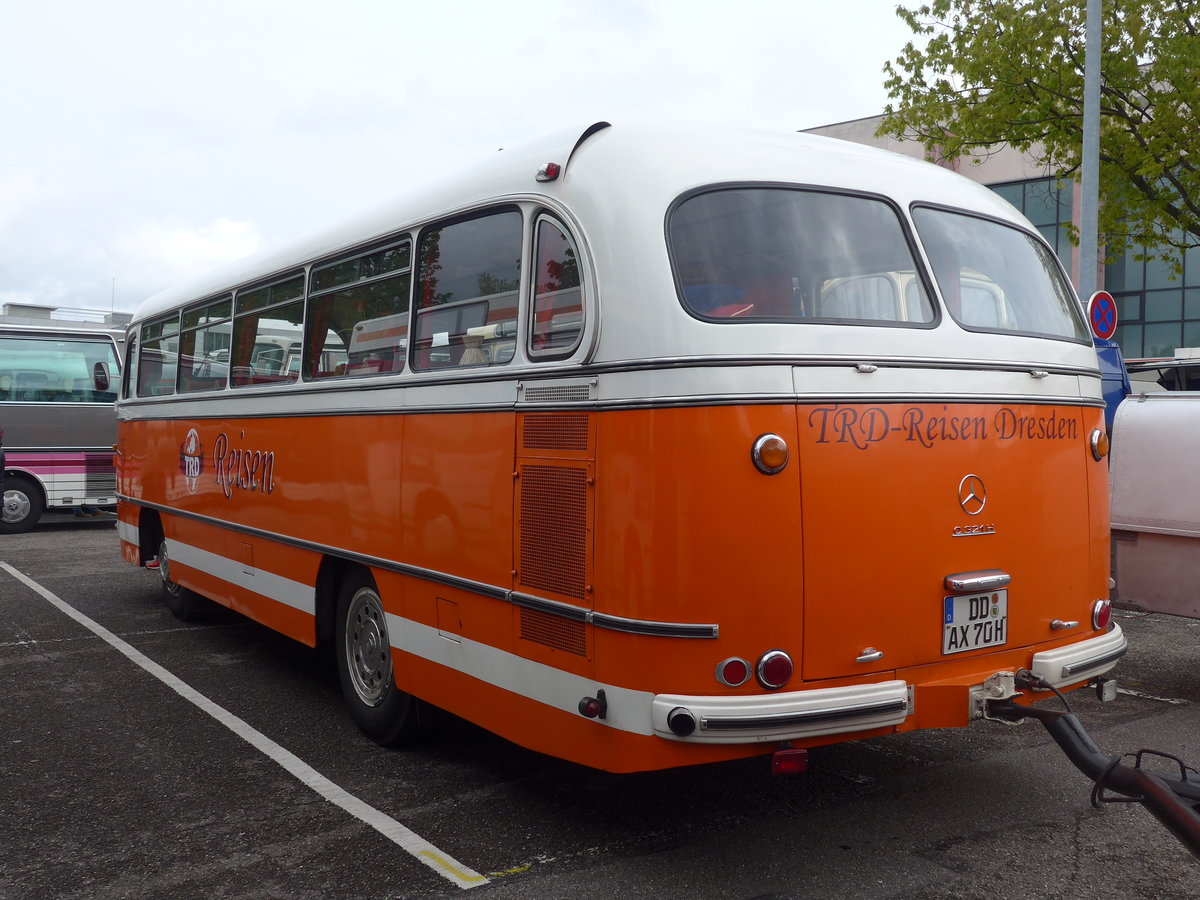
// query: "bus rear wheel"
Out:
[184,605]
[23,505]
[382,711]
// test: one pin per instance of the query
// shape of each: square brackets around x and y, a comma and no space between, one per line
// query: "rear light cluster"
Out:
[1101,615]
[773,670]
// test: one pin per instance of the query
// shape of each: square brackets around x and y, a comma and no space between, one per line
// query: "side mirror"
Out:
[100,376]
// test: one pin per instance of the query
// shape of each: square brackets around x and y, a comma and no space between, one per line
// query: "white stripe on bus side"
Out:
[130,534]
[274,587]
[628,710]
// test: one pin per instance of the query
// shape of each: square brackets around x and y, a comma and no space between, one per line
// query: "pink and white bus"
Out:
[57,389]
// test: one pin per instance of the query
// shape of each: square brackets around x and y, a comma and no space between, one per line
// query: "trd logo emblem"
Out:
[972,495]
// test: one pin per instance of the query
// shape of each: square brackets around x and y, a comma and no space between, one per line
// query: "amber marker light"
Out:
[1099,442]
[770,454]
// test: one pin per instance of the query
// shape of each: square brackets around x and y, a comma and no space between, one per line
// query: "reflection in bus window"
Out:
[793,255]
[467,281]
[38,369]
[557,321]
[266,332]
[996,278]
[358,314]
[204,347]
[158,358]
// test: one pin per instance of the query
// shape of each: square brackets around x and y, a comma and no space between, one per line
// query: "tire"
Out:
[382,711]
[23,505]
[185,605]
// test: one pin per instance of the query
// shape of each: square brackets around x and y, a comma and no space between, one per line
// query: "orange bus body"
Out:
[541,541]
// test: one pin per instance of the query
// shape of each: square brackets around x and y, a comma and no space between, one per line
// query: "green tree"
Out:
[983,74]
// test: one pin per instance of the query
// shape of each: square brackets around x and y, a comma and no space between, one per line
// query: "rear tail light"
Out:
[774,669]
[1101,615]
[733,672]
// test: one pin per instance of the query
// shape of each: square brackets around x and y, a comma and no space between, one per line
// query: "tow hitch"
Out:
[1171,797]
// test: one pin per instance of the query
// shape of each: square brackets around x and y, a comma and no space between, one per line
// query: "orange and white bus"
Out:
[644,447]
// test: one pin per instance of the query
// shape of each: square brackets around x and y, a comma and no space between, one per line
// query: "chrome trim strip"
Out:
[551,607]
[654,629]
[973,582]
[1089,664]
[791,399]
[843,714]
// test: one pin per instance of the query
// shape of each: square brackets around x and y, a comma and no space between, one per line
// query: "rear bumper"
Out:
[1081,661]
[783,716]
[796,715]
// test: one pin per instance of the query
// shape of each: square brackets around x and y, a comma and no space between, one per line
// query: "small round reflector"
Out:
[774,669]
[733,672]
[770,454]
[1101,615]
[1100,445]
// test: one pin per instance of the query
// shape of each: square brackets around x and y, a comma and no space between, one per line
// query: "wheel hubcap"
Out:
[16,506]
[368,655]
[164,570]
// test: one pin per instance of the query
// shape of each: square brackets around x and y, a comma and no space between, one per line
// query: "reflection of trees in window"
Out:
[468,259]
[560,273]
[490,284]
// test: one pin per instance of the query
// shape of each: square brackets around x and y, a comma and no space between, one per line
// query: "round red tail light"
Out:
[774,669]
[1101,615]
[733,672]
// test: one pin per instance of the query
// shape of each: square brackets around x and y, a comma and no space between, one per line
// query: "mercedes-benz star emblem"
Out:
[972,495]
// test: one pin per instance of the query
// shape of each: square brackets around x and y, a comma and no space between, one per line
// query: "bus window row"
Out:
[352,315]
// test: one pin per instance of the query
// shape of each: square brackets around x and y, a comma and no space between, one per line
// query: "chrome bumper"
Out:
[780,717]
[1081,661]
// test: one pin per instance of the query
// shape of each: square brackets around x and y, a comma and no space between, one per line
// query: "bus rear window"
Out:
[790,255]
[994,277]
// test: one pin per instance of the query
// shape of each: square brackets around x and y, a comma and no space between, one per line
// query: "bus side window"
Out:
[267,321]
[556,323]
[158,358]
[129,375]
[468,275]
[358,315]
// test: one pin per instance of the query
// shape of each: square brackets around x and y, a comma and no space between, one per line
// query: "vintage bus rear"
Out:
[57,389]
[720,443]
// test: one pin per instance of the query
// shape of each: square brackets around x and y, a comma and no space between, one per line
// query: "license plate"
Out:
[971,621]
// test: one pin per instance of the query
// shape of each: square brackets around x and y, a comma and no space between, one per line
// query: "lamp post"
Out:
[1089,240]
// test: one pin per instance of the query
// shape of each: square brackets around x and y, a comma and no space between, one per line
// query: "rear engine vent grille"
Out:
[554,523]
[557,393]
[554,631]
[555,431]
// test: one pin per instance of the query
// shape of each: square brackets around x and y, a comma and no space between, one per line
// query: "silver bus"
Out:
[57,421]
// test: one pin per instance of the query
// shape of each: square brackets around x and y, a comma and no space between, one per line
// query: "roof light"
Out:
[549,172]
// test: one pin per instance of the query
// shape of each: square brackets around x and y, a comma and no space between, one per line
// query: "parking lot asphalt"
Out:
[118,783]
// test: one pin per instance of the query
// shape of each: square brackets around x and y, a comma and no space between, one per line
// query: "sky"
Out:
[146,142]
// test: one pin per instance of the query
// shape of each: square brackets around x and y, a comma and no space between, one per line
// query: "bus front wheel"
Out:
[382,711]
[23,505]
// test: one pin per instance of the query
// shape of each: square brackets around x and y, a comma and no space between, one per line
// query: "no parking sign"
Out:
[1102,315]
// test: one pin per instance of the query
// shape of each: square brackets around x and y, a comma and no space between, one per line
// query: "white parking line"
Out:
[443,864]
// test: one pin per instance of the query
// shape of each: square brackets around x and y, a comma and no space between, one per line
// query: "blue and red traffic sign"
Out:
[1102,315]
